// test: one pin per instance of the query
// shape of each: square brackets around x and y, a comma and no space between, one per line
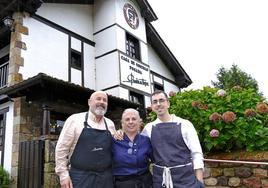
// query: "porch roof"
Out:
[46,88]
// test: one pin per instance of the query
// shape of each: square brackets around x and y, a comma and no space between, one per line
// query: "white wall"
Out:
[157,65]
[119,92]
[124,93]
[121,39]
[107,71]
[8,136]
[89,67]
[147,101]
[76,76]
[76,44]
[77,18]
[47,51]
[158,80]
[106,41]
[170,87]
[104,14]
[113,91]
[144,52]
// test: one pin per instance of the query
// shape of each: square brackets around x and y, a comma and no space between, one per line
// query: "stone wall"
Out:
[241,175]
[217,174]
[50,178]
[26,126]
[16,45]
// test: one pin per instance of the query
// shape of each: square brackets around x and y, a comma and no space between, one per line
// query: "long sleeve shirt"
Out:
[189,135]
[131,158]
[68,138]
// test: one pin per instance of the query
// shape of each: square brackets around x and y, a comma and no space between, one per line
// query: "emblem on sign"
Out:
[131,16]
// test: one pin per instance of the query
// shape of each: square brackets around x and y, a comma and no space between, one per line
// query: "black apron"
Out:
[91,161]
[169,150]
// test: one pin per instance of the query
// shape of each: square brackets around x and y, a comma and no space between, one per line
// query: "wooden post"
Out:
[46,120]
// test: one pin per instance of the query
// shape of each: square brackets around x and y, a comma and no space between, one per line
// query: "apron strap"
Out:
[85,122]
[87,125]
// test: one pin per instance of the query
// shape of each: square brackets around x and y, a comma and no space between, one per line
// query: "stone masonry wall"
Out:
[26,126]
[50,178]
[16,45]
[228,175]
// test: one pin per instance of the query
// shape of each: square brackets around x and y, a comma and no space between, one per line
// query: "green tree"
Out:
[227,79]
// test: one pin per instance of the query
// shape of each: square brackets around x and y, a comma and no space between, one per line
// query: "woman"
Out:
[131,156]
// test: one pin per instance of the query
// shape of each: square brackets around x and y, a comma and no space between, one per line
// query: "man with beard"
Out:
[83,151]
[177,152]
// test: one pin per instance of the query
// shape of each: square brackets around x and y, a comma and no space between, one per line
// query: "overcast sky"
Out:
[207,34]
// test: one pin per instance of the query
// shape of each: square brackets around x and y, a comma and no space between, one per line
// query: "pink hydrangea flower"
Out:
[196,104]
[204,107]
[228,116]
[250,112]
[237,88]
[215,117]
[221,93]
[214,133]
[262,108]
[172,93]
[199,105]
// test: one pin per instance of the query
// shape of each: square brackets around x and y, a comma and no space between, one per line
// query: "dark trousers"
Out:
[134,181]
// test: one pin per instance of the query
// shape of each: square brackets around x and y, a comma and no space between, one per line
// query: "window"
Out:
[158,87]
[4,63]
[2,133]
[76,60]
[138,98]
[4,59]
[132,47]
[57,121]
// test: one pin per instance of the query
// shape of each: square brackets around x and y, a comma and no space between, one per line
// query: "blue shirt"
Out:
[131,158]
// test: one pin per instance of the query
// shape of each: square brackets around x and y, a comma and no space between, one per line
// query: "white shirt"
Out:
[68,138]
[189,135]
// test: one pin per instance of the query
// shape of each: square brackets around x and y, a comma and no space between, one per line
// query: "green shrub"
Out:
[4,178]
[235,119]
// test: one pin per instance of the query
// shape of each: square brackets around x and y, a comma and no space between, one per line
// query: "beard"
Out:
[99,111]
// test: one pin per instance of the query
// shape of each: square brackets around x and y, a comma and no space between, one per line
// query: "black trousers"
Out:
[134,181]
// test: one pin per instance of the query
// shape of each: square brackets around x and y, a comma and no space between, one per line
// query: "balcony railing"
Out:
[4,74]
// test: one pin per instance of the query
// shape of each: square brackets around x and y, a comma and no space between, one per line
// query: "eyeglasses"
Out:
[160,101]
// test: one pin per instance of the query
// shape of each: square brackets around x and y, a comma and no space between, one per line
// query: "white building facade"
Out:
[57,48]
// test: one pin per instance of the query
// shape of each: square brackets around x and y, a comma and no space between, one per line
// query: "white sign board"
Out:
[134,74]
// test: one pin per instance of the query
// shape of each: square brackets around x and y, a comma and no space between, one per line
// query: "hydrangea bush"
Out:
[235,119]
[4,178]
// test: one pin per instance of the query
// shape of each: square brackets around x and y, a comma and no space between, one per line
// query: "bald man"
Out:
[83,151]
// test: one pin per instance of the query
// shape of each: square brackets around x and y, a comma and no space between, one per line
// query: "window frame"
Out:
[3,112]
[133,47]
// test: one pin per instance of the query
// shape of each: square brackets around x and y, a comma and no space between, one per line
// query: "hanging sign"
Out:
[134,74]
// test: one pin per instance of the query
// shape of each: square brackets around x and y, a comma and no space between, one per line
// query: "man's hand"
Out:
[199,175]
[119,135]
[66,183]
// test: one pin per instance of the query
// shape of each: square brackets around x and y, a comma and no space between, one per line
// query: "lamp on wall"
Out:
[8,21]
